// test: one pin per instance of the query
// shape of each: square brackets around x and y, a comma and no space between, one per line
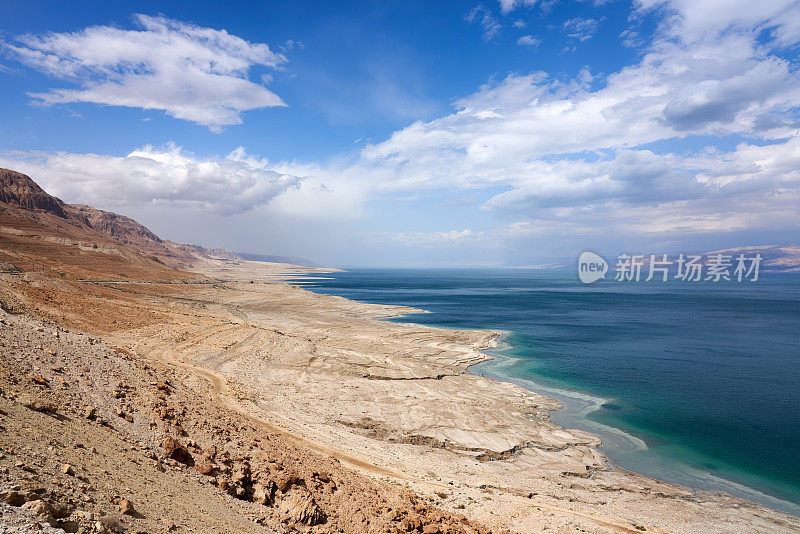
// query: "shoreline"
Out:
[392,401]
[700,480]
[704,480]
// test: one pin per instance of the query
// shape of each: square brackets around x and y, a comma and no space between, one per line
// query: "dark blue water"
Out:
[703,379]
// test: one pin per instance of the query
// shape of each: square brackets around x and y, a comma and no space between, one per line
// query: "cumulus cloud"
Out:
[149,175]
[576,153]
[189,72]
[694,21]
[644,151]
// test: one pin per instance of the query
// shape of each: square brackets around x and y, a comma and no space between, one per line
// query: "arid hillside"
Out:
[96,438]
[23,200]
[139,397]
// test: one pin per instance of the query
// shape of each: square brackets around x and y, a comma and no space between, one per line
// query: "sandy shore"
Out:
[392,401]
[395,401]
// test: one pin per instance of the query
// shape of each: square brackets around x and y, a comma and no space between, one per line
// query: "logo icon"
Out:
[591,267]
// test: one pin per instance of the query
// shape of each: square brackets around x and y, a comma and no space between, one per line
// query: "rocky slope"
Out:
[136,397]
[21,197]
[97,438]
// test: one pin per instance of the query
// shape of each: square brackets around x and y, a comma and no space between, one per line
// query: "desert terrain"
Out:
[147,386]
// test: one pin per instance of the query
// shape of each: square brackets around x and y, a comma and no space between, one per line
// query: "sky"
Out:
[442,134]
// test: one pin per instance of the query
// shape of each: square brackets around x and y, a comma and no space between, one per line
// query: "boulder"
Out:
[303,509]
[176,451]
[204,467]
[41,511]
[264,493]
[38,404]
[126,507]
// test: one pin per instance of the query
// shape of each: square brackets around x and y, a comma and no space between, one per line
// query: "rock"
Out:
[304,509]
[38,379]
[89,412]
[241,477]
[286,480]
[41,510]
[433,528]
[126,507]
[110,524]
[82,515]
[204,468]
[176,451]
[264,493]
[68,470]
[38,405]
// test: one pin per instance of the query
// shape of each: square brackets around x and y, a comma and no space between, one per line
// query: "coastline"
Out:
[394,401]
[491,357]
[624,450]
[621,447]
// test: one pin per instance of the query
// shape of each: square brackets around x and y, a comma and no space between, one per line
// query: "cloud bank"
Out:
[189,72]
[580,154]
[167,177]
[700,135]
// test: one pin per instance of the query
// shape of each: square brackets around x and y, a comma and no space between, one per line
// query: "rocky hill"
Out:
[22,198]
[775,257]
[19,191]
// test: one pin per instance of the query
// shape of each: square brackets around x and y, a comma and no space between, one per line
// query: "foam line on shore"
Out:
[617,443]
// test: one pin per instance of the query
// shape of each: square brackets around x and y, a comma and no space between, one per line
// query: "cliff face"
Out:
[113,224]
[22,198]
[19,191]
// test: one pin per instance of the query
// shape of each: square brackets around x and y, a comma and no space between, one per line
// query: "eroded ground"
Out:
[298,411]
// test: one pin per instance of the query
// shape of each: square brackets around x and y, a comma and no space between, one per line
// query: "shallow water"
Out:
[697,384]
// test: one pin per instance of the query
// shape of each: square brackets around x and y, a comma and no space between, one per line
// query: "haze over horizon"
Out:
[517,132]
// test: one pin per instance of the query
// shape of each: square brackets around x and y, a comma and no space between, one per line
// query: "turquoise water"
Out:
[697,384]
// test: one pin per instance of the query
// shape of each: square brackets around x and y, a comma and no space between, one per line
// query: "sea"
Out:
[696,383]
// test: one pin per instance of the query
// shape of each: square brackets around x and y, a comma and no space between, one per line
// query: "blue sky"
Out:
[402,133]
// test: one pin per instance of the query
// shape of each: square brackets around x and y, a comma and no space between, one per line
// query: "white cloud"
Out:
[529,40]
[596,155]
[453,237]
[507,6]
[148,175]
[580,29]
[519,23]
[491,27]
[691,20]
[574,154]
[291,44]
[190,72]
